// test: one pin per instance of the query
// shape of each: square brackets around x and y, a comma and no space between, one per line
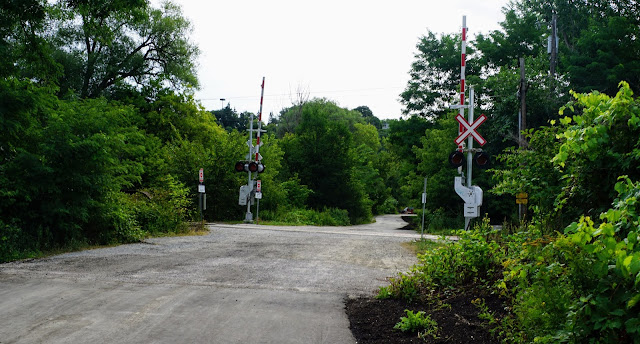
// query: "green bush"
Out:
[417,322]
[308,217]
[12,245]
[161,211]
[389,206]
[116,221]
[474,256]
[584,285]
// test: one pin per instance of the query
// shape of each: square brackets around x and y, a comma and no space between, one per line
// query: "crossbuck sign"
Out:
[470,129]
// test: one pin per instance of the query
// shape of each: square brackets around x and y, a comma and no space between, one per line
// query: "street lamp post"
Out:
[222,103]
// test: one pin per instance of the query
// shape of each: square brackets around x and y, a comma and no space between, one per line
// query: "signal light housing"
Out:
[456,159]
[482,160]
[240,166]
[249,166]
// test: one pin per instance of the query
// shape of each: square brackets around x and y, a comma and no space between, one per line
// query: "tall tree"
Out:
[23,49]
[368,116]
[434,75]
[319,153]
[521,35]
[121,42]
[597,41]
[605,54]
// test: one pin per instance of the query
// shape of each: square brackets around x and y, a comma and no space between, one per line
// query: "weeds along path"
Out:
[239,283]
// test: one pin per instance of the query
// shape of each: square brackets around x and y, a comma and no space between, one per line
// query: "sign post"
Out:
[258,198]
[202,200]
[424,201]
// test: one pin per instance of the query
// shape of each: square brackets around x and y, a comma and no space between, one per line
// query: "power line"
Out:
[310,93]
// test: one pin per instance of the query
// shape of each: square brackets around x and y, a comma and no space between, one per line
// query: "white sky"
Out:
[354,52]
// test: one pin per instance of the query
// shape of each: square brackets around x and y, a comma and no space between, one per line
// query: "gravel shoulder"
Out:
[239,283]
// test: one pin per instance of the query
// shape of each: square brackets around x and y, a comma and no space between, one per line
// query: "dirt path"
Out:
[238,284]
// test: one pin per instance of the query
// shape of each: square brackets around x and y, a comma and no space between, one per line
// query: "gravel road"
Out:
[238,284]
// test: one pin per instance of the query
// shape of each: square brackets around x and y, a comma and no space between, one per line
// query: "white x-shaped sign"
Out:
[471,130]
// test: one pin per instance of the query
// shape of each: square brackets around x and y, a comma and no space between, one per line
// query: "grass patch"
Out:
[188,229]
[421,246]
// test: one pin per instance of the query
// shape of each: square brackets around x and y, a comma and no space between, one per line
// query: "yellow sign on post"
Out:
[522,198]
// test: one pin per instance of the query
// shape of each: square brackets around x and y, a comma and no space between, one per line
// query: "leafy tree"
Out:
[368,116]
[59,179]
[604,54]
[230,119]
[23,47]
[192,140]
[365,149]
[405,134]
[597,41]
[531,170]
[435,75]
[578,158]
[502,102]
[521,35]
[319,154]
[104,44]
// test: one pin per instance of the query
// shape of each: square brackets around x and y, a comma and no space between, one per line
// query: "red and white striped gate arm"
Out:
[462,72]
[259,122]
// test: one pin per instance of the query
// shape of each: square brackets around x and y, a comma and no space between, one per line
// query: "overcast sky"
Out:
[353,52]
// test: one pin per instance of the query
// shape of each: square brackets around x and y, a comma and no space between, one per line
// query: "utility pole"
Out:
[554,45]
[522,123]
[522,120]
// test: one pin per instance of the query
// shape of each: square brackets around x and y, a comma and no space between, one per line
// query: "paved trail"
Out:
[238,284]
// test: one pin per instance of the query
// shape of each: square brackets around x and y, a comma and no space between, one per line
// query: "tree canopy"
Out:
[101,45]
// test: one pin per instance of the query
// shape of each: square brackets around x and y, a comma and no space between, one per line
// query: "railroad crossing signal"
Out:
[471,130]
[481,159]
[249,166]
[456,159]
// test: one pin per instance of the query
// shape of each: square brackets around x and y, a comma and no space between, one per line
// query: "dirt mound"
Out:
[372,320]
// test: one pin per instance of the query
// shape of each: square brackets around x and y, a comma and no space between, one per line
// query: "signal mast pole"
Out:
[253,154]
[249,216]
[470,194]
[258,144]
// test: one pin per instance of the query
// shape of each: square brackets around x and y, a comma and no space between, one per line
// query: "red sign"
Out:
[470,129]
[259,185]
[201,175]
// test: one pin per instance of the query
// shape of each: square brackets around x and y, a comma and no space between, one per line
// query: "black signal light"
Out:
[456,159]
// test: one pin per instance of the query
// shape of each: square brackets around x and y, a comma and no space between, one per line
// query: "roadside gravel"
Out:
[239,283]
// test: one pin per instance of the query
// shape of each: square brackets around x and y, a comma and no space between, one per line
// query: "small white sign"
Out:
[201,188]
[424,197]
[471,210]
[201,175]
[258,195]
[259,185]
[242,196]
